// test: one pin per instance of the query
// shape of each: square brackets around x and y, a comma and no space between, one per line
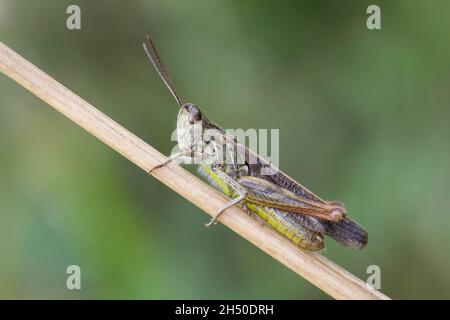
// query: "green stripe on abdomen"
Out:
[278,219]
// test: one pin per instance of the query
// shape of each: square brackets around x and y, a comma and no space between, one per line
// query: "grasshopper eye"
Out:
[195,114]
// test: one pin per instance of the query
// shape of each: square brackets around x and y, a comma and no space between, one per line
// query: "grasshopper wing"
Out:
[313,215]
[347,232]
[267,194]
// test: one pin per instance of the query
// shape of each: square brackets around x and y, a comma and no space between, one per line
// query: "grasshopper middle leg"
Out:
[237,189]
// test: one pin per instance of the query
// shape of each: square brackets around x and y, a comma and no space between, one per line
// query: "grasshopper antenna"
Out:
[152,54]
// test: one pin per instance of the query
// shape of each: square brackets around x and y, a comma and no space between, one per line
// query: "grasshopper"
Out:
[274,198]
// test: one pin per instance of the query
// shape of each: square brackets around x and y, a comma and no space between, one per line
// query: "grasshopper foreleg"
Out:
[184,153]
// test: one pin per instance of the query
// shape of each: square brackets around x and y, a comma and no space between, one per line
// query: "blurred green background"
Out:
[363,118]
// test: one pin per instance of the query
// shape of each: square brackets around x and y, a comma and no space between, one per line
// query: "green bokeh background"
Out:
[363,118]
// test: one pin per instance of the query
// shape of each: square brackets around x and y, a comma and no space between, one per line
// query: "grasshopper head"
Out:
[189,126]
